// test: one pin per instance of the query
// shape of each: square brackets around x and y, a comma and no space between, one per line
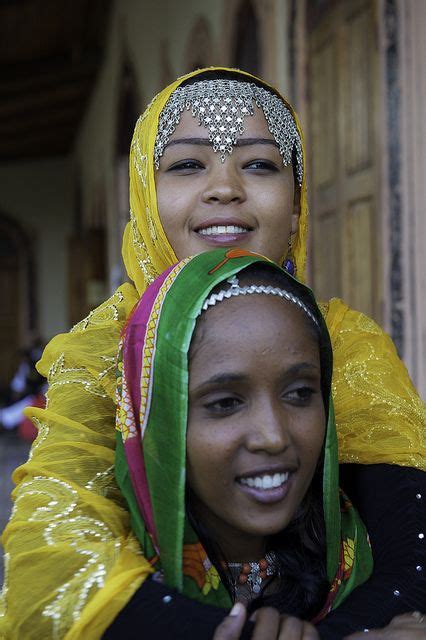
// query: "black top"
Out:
[392,503]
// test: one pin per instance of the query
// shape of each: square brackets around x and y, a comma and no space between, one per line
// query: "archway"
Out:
[127,114]
[246,54]
[199,49]
[18,312]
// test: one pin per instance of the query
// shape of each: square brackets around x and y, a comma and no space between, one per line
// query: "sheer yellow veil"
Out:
[146,249]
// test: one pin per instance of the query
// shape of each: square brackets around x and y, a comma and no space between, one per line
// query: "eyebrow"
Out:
[222,378]
[240,142]
[227,378]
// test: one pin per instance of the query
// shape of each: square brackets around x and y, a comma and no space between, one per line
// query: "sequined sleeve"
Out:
[71,560]
[379,416]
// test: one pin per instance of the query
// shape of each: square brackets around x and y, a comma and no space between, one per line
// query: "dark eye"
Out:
[223,406]
[300,395]
[262,166]
[186,166]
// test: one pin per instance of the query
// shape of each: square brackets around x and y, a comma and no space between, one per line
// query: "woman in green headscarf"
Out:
[226,444]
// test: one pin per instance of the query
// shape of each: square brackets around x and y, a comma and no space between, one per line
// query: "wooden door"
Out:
[343,76]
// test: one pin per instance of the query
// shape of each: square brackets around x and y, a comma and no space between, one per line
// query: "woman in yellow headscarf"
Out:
[72,560]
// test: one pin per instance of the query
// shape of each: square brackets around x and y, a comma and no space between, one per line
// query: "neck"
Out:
[242,549]
[233,545]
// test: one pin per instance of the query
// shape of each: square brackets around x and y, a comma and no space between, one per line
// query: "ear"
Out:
[296,211]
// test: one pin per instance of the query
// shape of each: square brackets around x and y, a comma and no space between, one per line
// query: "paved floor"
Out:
[13,452]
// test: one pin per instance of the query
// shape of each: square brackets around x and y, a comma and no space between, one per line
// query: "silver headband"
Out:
[236,290]
[221,106]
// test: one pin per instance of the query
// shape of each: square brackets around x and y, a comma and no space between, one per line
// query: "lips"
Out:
[266,486]
[266,481]
[218,230]
[223,230]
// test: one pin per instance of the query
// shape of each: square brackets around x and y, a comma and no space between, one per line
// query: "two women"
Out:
[70,523]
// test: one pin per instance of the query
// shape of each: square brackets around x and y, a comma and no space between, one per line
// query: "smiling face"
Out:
[248,201]
[256,420]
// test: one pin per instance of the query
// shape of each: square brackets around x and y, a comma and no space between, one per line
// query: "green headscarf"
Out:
[152,408]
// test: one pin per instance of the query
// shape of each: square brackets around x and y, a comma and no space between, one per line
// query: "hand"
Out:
[409,626]
[268,625]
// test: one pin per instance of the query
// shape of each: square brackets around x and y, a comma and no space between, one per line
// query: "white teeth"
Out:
[276,481]
[267,481]
[221,229]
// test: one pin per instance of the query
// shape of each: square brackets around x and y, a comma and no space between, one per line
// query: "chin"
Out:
[267,530]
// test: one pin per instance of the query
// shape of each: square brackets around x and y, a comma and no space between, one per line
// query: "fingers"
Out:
[267,624]
[408,626]
[389,633]
[292,628]
[409,620]
[230,628]
[309,632]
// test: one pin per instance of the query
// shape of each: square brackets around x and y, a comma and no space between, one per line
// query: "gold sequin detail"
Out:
[59,374]
[3,592]
[57,497]
[87,537]
[90,538]
[104,484]
[139,159]
[323,307]
[141,252]
[374,399]
[103,314]
[151,225]
[43,432]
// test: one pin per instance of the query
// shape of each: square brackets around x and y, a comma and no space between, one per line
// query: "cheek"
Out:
[284,205]
[163,205]
[199,456]
[313,441]
[277,210]
[208,453]
[171,202]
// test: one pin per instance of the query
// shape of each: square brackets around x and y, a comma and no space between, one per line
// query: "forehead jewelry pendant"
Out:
[221,107]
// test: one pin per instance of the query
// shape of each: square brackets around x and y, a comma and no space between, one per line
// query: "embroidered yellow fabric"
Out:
[72,561]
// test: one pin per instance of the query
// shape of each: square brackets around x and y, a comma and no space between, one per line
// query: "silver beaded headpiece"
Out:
[221,106]
[236,290]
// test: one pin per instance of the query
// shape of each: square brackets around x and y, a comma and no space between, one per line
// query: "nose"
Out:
[224,184]
[269,430]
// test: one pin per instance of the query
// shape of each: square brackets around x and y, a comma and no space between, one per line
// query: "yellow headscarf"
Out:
[70,536]
[146,249]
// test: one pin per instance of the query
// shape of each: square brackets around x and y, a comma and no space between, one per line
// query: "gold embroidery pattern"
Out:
[374,399]
[141,252]
[103,314]
[125,419]
[144,115]
[104,484]
[151,225]
[139,159]
[3,592]
[323,307]
[84,534]
[87,536]
[99,484]
[59,375]
[43,432]
[150,343]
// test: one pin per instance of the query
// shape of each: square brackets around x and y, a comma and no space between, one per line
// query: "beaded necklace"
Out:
[253,573]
